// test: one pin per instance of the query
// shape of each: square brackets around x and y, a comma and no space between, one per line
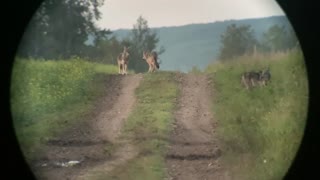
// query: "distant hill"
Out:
[198,44]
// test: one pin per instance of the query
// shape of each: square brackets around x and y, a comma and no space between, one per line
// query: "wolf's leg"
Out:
[245,83]
[125,68]
[149,68]
[252,82]
[153,67]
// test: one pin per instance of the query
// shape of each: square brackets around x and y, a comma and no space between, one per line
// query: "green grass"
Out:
[49,96]
[148,127]
[262,124]
[265,123]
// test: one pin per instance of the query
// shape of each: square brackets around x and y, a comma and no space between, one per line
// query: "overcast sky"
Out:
[124,13]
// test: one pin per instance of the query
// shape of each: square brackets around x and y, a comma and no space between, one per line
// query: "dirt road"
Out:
[194,152]
[87,141]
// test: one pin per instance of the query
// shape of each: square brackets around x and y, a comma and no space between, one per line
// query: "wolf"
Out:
[123,59]
[252,78]
[152,59]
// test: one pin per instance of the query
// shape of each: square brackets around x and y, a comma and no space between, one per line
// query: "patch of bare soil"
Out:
[194,152]
[85,146]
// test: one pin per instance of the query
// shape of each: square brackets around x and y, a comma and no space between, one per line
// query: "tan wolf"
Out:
[123,59]
[152,59]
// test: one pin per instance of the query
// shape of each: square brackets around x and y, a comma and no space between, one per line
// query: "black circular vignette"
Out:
[302,16]
[15,17]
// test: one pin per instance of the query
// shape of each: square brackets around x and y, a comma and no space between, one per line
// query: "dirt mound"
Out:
[194,152]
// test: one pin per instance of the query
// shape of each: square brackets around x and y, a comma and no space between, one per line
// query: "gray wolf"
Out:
[252,78]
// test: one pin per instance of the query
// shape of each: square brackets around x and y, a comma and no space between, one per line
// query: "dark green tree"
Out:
[141,39]
[60,27]
[237,41]
[279,38]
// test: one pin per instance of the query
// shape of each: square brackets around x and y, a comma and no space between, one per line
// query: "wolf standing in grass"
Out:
[252,78]
[123,59]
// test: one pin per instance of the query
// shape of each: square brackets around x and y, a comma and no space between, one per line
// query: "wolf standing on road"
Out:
[123,59]
[152,60]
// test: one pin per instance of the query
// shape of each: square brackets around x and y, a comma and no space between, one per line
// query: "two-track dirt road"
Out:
[193,153]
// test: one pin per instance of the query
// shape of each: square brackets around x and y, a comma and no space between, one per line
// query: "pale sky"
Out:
[124,13]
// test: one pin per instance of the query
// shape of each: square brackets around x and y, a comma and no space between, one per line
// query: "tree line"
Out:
[241,40]
[60,28]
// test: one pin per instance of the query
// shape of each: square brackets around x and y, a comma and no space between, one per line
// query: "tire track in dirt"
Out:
[194,152]
[112,128]
[86,141]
